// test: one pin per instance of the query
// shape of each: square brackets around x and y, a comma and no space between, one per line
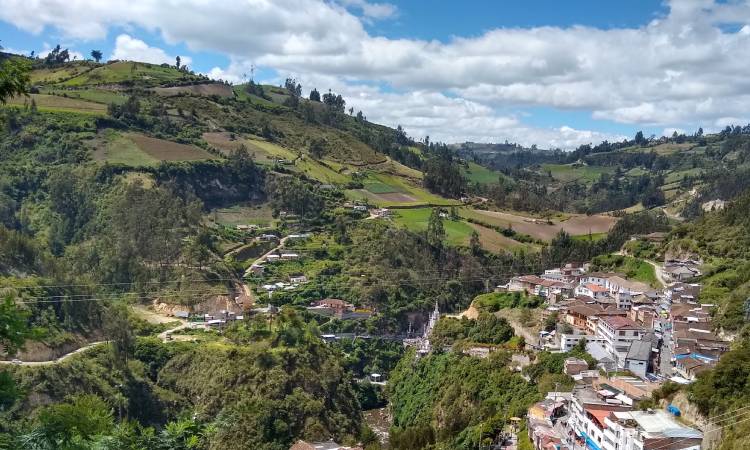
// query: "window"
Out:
[622,333]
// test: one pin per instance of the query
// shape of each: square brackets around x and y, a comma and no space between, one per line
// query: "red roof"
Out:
[599,415]
[596,288]
[621,323]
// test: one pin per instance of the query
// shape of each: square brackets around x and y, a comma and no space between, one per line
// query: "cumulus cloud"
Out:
[132,49]
[372,10]
[681,70]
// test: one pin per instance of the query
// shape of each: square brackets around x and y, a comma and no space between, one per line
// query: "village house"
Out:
[383,213]
[592,290]
[643,316]
[289,256]
[618,333]
[683,292]
[638,359]
[246,228]
[297,278]
[618,284]
[574,366]
[599,278]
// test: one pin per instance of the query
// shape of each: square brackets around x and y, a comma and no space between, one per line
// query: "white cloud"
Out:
[131,49]
[372,10]
[681,70]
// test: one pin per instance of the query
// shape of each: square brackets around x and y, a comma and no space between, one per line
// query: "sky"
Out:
[551,73]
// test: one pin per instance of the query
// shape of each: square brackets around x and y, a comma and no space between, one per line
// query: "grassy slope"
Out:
[88,88]
[457,232]
[53,103]
[480,174]
[567,172]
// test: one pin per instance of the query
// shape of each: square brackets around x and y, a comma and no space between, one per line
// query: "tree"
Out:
[317,148]
[177,61]
[435,229]
[118,331]
[73,424]
[475,244]
[639,139]
[315,95]
[97,55]
[14,330]
[14,78]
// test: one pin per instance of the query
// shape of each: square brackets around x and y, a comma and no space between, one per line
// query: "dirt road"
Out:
[153,317]
[55,361]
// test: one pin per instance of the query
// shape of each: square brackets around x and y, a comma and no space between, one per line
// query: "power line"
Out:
[669,444]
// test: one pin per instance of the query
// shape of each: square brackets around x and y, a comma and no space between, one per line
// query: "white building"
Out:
[636,430]
[618,333]
[602,420]
[568,341]
[592,290]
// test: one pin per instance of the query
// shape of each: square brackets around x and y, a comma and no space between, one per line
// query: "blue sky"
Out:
[553,73]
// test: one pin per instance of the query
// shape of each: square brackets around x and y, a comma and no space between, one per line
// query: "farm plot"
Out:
[493,241]
[167,150]
[542,229]
[457,232]
[207,89]
[570,172]
[134,149]
[54,103]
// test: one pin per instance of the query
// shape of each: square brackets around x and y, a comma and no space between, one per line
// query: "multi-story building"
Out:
[618,333]
[602,420]
[592,290]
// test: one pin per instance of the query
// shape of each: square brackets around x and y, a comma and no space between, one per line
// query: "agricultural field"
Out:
[54,103]
[677,176]
[138,150]
[90,94]
[207,89]
[457,232]
[58,74]
[386,190]
[569,172]
[128,71]
[242,215]
[493,241]
[575,224]
[475,173]
[669,148]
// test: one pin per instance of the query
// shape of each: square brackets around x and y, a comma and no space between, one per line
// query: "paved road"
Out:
[665,366]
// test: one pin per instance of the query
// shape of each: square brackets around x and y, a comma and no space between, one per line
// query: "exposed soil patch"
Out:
[395,197]
[492,240]
[541,229]
[223,141]
[168,150]
[219,89]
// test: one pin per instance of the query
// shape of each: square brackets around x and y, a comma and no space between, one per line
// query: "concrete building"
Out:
[618,333]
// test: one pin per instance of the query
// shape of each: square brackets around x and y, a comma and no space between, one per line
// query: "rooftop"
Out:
[660,424]
[639,351]
[596,288]
[621,323]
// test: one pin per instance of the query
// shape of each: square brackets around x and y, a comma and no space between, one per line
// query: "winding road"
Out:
[55,361]
[162,336]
